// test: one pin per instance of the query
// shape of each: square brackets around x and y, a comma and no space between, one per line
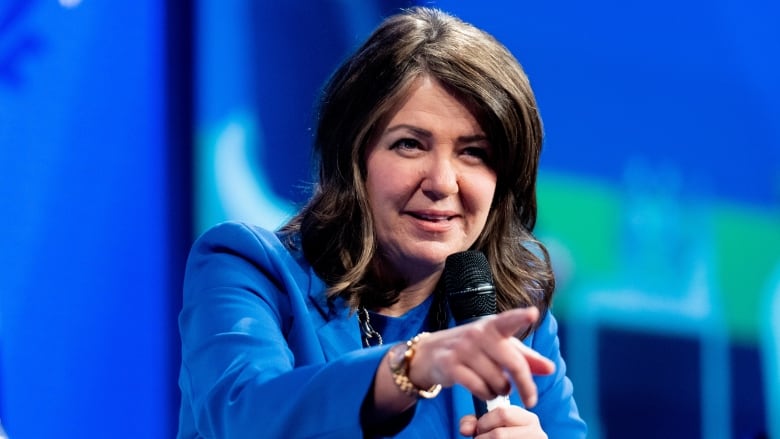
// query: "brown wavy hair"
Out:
[335,227]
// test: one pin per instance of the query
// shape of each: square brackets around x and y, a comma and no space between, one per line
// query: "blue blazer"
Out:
[265,354]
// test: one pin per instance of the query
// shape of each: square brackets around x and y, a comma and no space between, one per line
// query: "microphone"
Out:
[468,284]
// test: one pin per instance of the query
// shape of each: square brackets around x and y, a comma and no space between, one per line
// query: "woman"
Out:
[428,142]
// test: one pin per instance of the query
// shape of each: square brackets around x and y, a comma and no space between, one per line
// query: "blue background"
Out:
[127,128]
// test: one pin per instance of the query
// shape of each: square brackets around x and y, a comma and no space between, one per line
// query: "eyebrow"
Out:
[427,134]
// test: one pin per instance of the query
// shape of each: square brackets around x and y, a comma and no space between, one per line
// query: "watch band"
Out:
[400,360]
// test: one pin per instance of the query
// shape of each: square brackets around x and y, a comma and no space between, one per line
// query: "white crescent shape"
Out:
[242,187]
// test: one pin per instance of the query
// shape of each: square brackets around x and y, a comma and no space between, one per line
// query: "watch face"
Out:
[396,359]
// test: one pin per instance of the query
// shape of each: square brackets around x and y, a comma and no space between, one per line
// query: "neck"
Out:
[411,296]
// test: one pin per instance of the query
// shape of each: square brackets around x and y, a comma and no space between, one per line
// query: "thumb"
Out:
[509,323]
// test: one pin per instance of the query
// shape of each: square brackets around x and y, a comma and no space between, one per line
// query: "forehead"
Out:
[426,100]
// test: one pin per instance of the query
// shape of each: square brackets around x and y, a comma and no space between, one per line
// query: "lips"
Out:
[432,216]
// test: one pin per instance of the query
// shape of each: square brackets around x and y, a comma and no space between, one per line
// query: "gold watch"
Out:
[399,360]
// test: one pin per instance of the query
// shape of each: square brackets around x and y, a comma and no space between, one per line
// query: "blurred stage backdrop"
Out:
[127,128]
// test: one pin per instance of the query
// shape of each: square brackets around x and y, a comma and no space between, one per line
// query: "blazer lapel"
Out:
[339,335]
[340,331]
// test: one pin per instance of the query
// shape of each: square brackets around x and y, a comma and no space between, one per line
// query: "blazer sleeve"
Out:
[556,408]
[240,375]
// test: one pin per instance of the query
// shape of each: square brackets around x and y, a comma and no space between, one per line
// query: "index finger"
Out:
[509,323]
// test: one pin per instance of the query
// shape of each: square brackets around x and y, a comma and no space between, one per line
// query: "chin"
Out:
[433,258]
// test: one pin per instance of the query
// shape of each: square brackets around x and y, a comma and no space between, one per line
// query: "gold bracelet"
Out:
[400,359]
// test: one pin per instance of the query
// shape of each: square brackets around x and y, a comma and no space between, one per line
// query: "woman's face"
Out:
[429,181]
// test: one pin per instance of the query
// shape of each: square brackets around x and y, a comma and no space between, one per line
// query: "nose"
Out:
[440,179]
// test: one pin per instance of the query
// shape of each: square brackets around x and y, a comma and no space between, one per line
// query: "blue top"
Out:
[266,354]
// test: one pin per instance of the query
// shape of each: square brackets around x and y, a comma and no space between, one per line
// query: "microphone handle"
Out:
[481,407]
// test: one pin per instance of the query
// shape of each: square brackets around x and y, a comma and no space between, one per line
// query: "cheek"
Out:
[480,193]
[382,194]
[374,177]
[390,182]
[377,186]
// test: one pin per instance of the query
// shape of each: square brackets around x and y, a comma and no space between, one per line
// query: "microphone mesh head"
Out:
[468,283]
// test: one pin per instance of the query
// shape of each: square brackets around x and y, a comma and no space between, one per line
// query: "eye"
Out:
[406,144]
[479,152]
